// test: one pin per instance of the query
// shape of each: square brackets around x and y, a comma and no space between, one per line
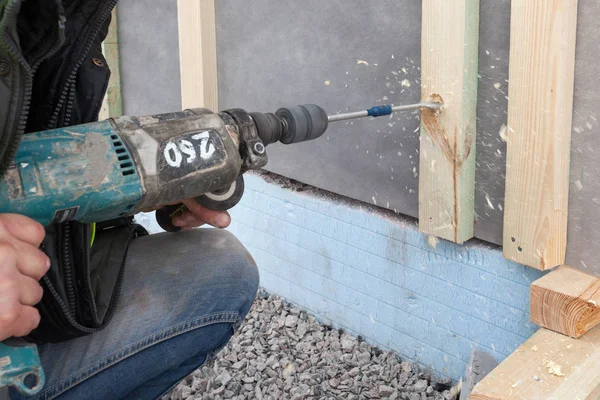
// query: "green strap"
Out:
[93,234]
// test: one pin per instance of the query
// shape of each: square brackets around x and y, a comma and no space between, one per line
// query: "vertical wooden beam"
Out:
[449,64]
[566,301]
[549,366]
[198,54]
[540,109]
[112,105]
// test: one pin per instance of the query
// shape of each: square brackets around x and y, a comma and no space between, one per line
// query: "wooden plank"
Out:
[112,105]
[198,53]
[566,301]
[540,110]
[449,52]
[549,366]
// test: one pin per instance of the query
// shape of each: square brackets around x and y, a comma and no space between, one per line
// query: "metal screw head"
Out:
[98,62]
[259,148]
[4,68]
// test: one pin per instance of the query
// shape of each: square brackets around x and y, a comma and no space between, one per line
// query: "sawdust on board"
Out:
[554,369]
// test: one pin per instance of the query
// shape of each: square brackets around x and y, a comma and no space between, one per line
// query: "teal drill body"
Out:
[66,174]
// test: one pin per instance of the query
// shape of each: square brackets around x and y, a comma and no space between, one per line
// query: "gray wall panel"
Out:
[149,52]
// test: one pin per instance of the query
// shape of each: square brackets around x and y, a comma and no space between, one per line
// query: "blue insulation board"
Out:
[377,276]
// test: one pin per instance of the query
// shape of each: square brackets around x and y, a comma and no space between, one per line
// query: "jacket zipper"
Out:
[68,268]
[67,95]
[30,70]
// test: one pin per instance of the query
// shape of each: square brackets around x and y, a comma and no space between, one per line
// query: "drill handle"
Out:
[221,200]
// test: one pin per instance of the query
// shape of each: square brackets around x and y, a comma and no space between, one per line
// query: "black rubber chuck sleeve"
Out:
[302,123]
[269,127]
[291,124]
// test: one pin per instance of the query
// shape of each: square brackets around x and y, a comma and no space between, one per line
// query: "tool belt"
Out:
[82,288]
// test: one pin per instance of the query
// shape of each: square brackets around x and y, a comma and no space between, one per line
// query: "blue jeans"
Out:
[183,297]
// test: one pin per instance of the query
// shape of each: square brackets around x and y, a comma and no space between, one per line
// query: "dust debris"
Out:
[579,185]
[497,85]
[554,369]
[502,133]
[432,240]
[534,348]
[489,202]
[327,83]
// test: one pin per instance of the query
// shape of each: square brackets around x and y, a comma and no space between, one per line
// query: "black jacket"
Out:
[49,81]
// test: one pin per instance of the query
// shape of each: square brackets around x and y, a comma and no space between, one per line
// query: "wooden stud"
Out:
[449,64]
[198,54]
[566,301]
[112,105]
[549,366]
[540,109]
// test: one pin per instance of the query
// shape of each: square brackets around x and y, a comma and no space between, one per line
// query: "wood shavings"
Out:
[534,348]
[502,133]
[578,185]
[327,83]
[405,83]
[554,369]
[361,62]
[497,85]
[489,202]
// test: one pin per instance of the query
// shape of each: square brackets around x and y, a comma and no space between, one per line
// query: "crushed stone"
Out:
[281,352]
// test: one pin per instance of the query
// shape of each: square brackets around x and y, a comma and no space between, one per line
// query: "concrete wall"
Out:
[374,274]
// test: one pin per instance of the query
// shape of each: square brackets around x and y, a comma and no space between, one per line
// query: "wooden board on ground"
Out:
[549,366]
[566,301]
[198,54]
[540,113]
[449,57]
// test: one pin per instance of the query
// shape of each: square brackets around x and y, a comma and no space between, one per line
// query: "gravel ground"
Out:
[282,353]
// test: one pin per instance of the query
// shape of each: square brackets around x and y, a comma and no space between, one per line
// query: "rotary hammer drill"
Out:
[111,169]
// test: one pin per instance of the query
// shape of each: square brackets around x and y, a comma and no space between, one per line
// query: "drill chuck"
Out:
[291,124]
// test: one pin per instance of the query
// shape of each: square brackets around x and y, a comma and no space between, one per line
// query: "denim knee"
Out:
[233,276]
[243,272]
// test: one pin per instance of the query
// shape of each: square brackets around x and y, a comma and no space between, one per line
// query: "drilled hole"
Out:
[513,239]
[520,249]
